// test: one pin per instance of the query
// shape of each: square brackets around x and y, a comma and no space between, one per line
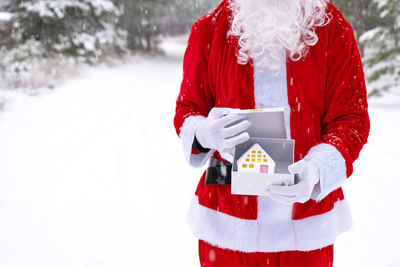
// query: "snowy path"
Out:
[92,174]
[87,177]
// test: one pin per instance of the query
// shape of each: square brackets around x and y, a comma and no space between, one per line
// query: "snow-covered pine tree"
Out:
[142,19]
[186,12]
[3,4]
[383,59]
[83,30]
[362,15]
[146,20]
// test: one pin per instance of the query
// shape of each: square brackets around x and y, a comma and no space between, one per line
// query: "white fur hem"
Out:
[187,137]
[263,235]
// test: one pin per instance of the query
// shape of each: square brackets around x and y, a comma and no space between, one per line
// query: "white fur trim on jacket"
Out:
[187,137]
[332,169]
[269,234]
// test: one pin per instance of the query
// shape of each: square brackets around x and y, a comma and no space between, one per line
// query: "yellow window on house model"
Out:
[251,166]
[253,151]
[244,165]
[258,160]
[265,160]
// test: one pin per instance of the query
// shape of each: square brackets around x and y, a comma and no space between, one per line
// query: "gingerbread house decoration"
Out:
[257,160]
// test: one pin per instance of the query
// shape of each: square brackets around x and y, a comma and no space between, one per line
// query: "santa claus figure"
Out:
[297,54]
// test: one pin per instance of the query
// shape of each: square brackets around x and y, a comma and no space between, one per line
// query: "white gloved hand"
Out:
[308,176]
[213,132]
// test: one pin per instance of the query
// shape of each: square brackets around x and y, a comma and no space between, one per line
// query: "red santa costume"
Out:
[324,96]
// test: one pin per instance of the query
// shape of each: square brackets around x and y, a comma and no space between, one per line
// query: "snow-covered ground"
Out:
[92,174]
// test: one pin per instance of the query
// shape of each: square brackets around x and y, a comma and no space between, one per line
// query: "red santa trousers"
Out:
[211,256]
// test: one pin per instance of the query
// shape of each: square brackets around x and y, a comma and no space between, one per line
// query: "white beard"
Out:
[271,26]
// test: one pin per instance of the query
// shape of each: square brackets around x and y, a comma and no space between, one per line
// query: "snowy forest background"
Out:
[46,35]
[91,170]
[42,35]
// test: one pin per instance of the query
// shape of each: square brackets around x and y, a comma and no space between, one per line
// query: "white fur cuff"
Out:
[332,169]
[187,137]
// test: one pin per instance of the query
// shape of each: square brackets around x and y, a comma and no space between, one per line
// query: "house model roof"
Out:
[256,159]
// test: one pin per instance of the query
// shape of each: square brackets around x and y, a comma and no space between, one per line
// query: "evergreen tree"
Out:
[186,12]
[361,14]
[4,3]
[147,20]
[142,20]
[384,40]
[80,29]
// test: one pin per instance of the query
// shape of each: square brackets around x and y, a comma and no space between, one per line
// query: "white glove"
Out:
[219,132]
[308,176]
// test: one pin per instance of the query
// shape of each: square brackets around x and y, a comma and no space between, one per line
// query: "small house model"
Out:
[257,160]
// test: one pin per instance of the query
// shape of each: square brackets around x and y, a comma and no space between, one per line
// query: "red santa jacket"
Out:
[326,94]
